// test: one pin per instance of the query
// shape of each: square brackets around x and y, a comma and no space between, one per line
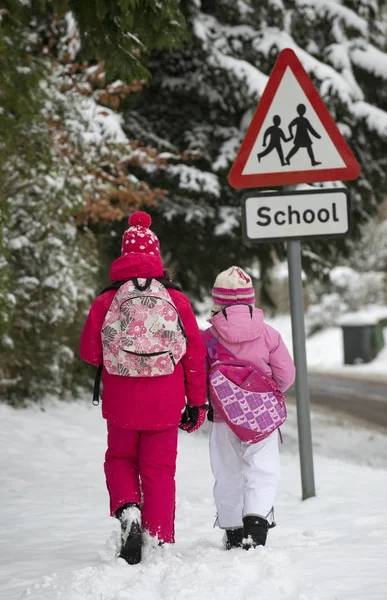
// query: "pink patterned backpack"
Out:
[142,334]
[249,400]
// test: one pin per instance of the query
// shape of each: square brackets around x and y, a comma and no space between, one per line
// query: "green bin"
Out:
[361,343]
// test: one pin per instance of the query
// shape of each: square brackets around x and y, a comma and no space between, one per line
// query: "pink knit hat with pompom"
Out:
[232,286]
[139,239]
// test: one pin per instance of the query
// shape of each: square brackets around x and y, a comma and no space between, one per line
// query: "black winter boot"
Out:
[131,534]
[234,538]
[255,531]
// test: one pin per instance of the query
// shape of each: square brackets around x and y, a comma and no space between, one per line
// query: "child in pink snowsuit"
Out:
[143,413]
[246,475]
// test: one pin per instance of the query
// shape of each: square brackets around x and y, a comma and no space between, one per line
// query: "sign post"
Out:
[299,350]
[293,139]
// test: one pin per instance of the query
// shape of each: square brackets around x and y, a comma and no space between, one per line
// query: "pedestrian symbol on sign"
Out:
[275,134]
[301,137]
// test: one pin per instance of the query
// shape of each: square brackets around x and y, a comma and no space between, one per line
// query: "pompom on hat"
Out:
[139,239]
[140,251]
[232,286]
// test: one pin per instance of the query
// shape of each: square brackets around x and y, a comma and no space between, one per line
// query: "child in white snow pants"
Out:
[246,474]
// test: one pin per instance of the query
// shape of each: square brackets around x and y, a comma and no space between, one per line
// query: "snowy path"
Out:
[53,519]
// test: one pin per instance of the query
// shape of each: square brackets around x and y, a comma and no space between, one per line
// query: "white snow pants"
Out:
[246,475]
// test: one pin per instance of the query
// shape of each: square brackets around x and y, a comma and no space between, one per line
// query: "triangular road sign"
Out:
[292,138]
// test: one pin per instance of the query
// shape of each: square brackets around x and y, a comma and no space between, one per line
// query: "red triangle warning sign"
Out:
[292,138]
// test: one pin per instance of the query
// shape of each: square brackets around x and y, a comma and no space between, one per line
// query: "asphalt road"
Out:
[365,400]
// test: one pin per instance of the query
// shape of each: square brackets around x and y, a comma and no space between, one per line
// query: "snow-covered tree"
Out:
[51,260]
[63,172]
[200,101]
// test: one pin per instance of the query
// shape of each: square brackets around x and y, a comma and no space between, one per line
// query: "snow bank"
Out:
[369,316]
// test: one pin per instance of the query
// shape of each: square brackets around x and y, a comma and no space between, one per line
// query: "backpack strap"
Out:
[210,343]
[115,285]
[167,283]
[216,350]
[97,383]
[141,288]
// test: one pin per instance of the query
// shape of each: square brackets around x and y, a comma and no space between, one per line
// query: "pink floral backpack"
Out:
[249,400]
[142,334]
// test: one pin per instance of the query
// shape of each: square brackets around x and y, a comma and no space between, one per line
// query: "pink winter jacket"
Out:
[146,403]
[249,338]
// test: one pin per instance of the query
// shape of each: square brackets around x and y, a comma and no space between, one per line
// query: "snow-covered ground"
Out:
[57,542]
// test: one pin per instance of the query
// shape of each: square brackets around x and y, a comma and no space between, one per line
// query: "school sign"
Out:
[296,215]
[292,139]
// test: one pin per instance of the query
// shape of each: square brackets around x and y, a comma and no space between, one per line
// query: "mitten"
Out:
[193,417]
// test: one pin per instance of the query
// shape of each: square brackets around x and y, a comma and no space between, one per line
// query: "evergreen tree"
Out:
[63,170]
[200,102]
[121,33]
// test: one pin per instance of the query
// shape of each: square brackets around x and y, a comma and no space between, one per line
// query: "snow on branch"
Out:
[370,59]
[195,180]
[331,81]
[215,37]
[375,118]
[229,220]
[334,10]
[227,152]
[99,123]
[339,57]
[207,28]
[242,70]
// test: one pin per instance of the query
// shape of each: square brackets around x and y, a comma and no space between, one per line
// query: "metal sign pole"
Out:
[299,350]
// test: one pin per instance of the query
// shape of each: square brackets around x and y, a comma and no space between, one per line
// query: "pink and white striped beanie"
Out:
[233,286]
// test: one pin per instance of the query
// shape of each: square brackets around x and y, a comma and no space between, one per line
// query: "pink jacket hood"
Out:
[239,323]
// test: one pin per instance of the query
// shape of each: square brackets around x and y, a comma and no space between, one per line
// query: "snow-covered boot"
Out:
[131,534]
[255,531]
[234,538]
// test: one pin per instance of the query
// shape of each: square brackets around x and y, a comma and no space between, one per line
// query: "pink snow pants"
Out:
[140,467]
